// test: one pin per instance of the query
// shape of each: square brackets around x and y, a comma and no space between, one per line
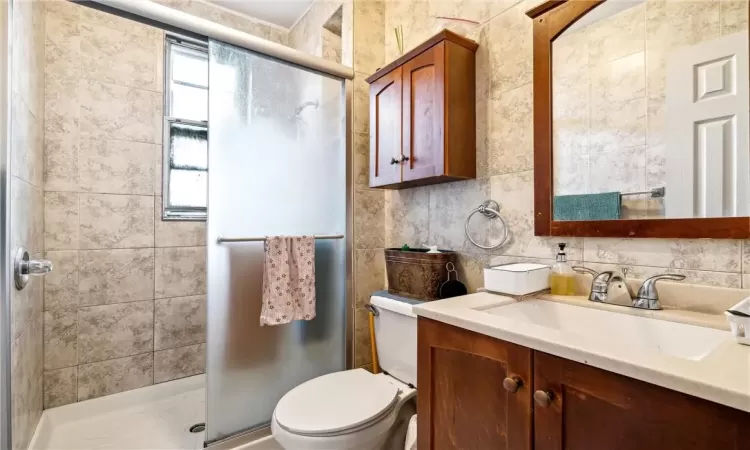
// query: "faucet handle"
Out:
[648,295]
[582,269]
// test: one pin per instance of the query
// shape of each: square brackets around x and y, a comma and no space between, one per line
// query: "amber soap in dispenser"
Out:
[562,277]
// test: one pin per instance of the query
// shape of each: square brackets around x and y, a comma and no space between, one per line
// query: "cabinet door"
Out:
[594,409]
[385,129]
[424,114]
[462,403]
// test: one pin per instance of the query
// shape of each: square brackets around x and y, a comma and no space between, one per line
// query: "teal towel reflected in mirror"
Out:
[604,206]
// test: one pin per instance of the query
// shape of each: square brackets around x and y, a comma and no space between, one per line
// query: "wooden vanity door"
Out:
[424,114]
[461,402]
[385,129]
[593,409]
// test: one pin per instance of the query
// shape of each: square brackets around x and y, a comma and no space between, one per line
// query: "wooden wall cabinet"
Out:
[422,115]
[463,402]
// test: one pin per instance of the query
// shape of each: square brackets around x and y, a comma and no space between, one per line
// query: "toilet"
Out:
[355,409]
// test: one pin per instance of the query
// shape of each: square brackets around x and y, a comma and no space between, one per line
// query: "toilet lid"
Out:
[335,402]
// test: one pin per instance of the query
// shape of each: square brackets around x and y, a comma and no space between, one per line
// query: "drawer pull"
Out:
[512,384]
[543,398]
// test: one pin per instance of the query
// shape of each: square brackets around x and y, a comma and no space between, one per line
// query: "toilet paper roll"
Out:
[411,434]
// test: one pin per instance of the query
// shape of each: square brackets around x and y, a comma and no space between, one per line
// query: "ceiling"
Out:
[283,13]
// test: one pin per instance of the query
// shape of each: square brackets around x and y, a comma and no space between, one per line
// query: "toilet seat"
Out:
[337,403]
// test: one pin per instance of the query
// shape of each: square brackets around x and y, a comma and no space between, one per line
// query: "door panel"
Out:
[424,114]
[385,129]
[462,403]
[707,103]
[595,409]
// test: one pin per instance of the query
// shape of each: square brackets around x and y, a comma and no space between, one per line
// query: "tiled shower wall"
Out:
[125,306]
[27,99]
[435,215]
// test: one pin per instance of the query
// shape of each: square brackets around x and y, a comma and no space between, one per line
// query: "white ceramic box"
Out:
[517,278]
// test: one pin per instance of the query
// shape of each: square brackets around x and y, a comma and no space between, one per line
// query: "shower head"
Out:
[302,107]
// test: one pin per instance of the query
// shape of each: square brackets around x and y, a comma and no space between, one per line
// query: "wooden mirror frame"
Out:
[550,20]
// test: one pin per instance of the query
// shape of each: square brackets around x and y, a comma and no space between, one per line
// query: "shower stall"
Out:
[132,306]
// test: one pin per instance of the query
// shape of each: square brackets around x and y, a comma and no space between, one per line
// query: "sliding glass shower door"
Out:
[277,166]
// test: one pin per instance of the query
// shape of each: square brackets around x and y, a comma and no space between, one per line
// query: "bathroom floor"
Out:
[155,417]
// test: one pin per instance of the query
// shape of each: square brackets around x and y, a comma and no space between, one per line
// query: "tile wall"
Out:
[27,203]
[435,215]
[125,306]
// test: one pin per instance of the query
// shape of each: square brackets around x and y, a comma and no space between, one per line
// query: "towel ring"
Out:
[489,210]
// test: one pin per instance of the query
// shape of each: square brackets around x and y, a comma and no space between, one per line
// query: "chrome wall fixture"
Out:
[489,210]
[23,267]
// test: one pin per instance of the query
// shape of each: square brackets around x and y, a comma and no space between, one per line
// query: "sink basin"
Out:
[649,335]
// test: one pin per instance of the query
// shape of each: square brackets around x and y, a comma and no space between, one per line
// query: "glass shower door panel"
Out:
[276,167]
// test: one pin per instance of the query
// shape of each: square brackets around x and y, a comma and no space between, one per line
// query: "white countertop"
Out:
[722,376]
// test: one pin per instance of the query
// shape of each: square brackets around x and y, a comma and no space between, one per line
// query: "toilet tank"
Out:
[396,338]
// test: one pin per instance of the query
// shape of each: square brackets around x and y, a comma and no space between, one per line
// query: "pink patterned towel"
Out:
[288,280]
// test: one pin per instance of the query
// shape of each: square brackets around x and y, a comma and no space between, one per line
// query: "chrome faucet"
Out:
[611,287]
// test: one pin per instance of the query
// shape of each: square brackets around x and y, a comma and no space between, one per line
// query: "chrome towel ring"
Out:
[489,210]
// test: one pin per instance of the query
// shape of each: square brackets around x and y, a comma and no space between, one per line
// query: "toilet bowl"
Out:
[355,409]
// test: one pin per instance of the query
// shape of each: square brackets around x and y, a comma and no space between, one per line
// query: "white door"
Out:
[707,155]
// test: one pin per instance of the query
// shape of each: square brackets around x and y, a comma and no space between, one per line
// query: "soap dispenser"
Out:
[562,277]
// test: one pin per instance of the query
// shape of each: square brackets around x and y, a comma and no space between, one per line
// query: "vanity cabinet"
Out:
[422,115]
[463,402]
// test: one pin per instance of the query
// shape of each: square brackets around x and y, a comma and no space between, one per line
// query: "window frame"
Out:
[177,213]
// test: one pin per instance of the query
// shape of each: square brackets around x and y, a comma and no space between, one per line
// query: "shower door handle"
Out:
[23,267]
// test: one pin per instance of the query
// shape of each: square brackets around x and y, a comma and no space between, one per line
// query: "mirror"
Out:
[649,111]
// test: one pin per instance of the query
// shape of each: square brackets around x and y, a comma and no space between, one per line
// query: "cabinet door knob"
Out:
[394,161]
[512,384]
[543,398]
[404,158]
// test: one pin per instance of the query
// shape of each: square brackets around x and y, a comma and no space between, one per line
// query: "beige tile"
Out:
[28,54]
[450,205]
[746,281]
[407,217]
[27,144]
[117,167]
[570,54]
[482,94]
[369,36]
[617,36]
[172,233]
[179,322]
[620,80]
[113,331]
[116,375]
[368,219]
[362,348]
[369,273]
[361,103]
[117,112]
[26,305]
[61,161]
[734,16]
[62,104]
[179,362]
[361,159]
[746,256]
[692,254]
[617,169]
[61,285]
[510,40]
[26,373]
[116,276]
[60,338]
[116,221]
[180,271]
[510,142]
[27,216]
[471,270]
[720,279]
[515,194]
[674,23]
[60,220]
[63,42]
[126,56]
[622,125]
[60,387]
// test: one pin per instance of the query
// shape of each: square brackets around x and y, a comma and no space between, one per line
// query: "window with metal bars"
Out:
[185,163]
